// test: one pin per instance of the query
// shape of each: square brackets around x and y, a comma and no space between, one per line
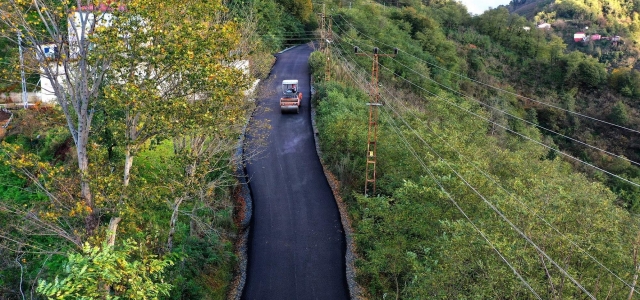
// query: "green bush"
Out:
[204,271]
[105,272]
[317,63]
[342,119]
[619,114]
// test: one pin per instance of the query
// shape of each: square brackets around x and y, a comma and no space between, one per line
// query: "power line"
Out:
[510,130]
[493,87]
[362,81]
[526,207]
[290,35]
[295,32]
[523,135]
[518,118]
[514,116]
[423,164]
[497,211]
[507,220]
[455,203]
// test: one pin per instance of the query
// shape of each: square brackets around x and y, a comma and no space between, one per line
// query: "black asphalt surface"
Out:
[297,244]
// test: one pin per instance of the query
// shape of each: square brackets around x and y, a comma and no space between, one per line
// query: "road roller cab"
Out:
[291,97]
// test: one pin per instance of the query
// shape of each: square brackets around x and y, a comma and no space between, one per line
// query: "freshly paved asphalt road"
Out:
[297,245]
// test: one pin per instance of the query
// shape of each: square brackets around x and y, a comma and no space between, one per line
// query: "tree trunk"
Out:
[111,232]
[635,262]
[111,241]
[83,167]
[193,225]
[635,281]
[172,223]
[132,135]
[552,289]
[128,162]
[397,287]
[91,221]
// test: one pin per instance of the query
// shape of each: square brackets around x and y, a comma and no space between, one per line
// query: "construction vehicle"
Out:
[291,98]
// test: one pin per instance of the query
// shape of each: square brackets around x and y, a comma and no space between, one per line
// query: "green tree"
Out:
[302,9]
[619,113]
[78,87]
[173,74]
[591,73]
[626,81]
[108,273]
[414,242]
[493,23]
[177,81]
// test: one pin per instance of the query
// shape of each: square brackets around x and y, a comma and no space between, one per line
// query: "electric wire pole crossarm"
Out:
[372,135]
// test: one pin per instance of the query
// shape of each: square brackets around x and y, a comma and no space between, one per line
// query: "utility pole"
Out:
[24,82]
[372,135]
[327,68]
[322,26]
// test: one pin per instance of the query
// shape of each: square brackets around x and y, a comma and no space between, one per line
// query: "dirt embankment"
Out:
[4,116]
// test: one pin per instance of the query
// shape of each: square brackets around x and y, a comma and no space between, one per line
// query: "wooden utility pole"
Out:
[327,67]
[322,28]
[372,136]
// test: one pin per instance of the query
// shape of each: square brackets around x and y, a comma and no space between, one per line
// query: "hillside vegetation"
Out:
[478,195]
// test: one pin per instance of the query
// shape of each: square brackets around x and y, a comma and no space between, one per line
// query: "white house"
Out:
[544,26]
[46,93]
[50,52]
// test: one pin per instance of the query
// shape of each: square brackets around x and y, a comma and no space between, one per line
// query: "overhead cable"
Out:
[422,163]
[516,117]
[508,129]
[497,211]
[496,88]
[525,206]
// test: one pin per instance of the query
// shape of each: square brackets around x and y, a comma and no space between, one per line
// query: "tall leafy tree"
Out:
[174,73]
[82,75]
[302,9]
